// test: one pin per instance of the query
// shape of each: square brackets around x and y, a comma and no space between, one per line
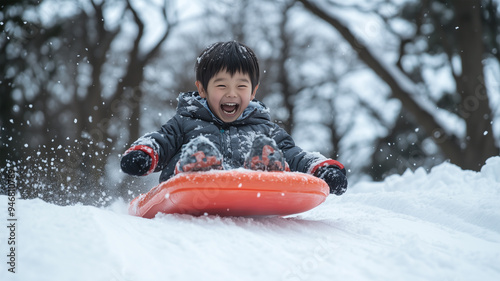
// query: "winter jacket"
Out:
[193,118]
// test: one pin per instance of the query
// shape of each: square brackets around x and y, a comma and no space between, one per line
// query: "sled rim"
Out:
[233,193]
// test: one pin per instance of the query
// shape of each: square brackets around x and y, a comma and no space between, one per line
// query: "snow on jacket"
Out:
[234,140]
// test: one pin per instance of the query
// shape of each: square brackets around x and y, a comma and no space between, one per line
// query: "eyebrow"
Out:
[224,79]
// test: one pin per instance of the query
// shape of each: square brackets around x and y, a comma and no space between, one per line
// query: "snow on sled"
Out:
[232,193]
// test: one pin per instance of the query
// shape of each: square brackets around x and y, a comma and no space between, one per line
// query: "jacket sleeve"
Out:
[298,159]
[161,145]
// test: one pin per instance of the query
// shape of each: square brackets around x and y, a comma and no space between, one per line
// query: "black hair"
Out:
[230,56]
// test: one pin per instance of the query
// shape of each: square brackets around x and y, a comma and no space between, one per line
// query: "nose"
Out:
[231,93]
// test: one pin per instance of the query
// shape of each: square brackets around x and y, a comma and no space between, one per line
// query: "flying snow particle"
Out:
[485,133]
[75,121]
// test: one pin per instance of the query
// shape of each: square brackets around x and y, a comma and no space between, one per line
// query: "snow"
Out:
[442,225]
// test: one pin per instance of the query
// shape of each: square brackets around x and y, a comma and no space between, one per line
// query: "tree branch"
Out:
[169,24]
[399,90]
[140,32]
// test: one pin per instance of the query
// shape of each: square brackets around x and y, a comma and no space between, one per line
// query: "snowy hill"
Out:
[444,225]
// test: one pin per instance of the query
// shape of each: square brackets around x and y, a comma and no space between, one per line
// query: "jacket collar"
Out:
[192,105]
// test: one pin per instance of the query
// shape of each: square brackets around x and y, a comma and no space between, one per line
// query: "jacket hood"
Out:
[192,105]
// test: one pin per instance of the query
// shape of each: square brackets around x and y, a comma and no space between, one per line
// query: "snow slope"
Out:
[444,225]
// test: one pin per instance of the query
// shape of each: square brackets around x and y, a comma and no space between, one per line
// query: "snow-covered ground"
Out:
[444,225]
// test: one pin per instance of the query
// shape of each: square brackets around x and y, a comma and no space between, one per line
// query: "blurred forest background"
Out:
[383,85]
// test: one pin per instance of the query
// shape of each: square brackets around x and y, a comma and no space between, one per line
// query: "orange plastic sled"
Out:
[232,193]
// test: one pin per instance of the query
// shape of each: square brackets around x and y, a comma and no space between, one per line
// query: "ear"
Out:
[254,92]
[201,90]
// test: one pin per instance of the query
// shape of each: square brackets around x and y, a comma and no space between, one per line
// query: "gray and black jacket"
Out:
[234,140]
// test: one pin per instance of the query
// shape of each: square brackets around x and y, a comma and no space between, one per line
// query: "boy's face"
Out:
[228,96]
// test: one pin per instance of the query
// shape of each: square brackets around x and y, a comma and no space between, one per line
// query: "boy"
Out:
[222,126]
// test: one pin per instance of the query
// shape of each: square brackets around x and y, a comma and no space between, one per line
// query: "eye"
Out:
[242,86]
[220,86]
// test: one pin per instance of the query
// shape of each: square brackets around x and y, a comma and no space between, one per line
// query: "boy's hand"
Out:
[136,163]
[334,177]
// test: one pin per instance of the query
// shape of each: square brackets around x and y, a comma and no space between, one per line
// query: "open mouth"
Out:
[229,108]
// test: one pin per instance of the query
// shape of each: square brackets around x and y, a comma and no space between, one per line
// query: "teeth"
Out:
[230,104]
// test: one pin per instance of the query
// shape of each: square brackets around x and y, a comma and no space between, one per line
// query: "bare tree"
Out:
[282,73]
[86,76]
[478,144]
[124,103]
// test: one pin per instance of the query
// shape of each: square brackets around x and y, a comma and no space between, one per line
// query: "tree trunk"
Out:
[282,79]
[474,108]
